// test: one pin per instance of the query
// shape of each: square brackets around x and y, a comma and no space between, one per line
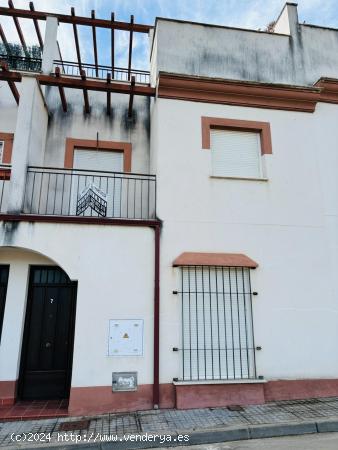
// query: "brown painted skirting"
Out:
[72,144]
[8,391]
[263,128]
[299,389]
[214,395]
[240,93]
[101,399]
[214,259]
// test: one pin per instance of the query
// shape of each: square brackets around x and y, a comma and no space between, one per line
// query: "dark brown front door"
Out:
[47,350]
[3,291]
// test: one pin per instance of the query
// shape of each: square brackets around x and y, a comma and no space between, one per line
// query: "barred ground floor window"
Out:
[217,323]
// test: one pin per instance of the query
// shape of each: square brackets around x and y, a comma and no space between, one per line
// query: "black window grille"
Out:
[46,275]
[217,325]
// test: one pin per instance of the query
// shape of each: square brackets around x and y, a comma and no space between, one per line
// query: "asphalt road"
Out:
[319,441]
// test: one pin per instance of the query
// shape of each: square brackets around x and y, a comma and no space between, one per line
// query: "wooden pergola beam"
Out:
[78,20]
[85,94]
[95,85]
[10,77]
[77,45]
[4,40]
[36,26]
[95,46]
[131,96]
[112,47]
[18,27]
[61,91]
[6,74]
[130,46]
[108,96]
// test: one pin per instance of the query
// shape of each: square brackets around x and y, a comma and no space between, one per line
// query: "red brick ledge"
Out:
[8,392]
[214,259]
[92,400]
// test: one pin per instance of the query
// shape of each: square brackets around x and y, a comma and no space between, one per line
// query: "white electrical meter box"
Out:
[125,338]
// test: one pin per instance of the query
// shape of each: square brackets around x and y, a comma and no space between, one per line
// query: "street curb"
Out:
[327,426]
[200,437]
[292,429]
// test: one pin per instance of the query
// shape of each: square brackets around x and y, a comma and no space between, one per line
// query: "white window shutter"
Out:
[98,160]
[236,153]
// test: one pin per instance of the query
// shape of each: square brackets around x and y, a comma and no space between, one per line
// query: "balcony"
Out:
[22,63]
[72,69]
[86,194]
[19,58]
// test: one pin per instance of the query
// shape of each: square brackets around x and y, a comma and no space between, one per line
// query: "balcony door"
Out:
[93,162]
[46,358]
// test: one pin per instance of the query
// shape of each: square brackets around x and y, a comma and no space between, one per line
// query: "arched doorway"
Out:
[48,338]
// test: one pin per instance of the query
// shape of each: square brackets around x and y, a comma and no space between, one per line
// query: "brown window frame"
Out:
[86,144]
[209,123]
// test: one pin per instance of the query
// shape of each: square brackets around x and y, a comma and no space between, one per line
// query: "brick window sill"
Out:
[238,178]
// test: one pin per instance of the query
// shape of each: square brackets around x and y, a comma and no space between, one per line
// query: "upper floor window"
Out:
[236,146]
[236,153]
[106,156]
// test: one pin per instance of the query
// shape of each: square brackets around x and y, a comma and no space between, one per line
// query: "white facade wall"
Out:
[29,138]
[287,223]
[114,268]
[116,127]
[8,109]
[283,224]
[295,53]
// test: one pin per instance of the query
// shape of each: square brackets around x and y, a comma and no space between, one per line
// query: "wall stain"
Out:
[9,230]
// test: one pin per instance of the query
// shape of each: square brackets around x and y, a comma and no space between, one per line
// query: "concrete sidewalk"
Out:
[176,427]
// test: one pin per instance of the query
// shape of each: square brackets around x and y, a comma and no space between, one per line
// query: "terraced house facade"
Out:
[169,238]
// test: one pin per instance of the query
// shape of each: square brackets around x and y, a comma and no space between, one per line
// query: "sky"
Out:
[252,14]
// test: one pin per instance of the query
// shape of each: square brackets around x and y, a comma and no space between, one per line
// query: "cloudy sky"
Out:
[252,14]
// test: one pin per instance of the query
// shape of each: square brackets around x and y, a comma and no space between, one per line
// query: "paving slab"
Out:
[170,427]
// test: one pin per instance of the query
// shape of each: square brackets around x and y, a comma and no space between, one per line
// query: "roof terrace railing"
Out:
[92,71]
[23,63]
[90,193]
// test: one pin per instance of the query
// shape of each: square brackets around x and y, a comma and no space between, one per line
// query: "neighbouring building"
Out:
[169,238]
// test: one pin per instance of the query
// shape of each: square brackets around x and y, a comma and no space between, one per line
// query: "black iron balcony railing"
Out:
[120,74]
[26,64]
[72,192]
